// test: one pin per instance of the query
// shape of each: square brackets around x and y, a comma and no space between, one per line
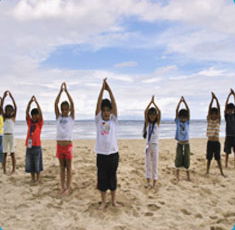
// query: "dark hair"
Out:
[230,106]
[9,107]
[34,111]
[64,103]
[183,113]
[214,110]
[152,110]
[106,103]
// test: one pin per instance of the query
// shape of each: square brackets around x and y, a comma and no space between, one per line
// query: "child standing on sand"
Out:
[213,128]
[1,132]
[182,158]
[229,114]
[151,133]
[33,141]
[64,123]
[106,146]
[9,117]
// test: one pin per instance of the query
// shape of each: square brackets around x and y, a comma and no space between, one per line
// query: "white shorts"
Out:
[8,141]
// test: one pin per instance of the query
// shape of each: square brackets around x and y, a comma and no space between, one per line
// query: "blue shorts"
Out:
[33,162]
[1,153]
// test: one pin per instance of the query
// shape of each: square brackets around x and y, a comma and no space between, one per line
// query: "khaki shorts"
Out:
[8,142]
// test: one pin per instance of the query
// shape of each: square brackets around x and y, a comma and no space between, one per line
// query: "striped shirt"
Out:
[213,128]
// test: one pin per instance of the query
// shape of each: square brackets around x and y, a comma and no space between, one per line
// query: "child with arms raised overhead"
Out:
[229,114]
[182,136]
[34,163]
[9,116]
[213,128]
[151,133]
[106,146]
[64,123]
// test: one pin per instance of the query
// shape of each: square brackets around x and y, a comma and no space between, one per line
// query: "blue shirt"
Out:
[182,130]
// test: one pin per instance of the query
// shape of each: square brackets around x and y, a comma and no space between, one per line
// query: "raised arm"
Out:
[114,105]
[158,113]
[14,103]
[1,111]
[72,113]
[98,106]
[177,108]
[2,101]
[210,105]
[146,111]
[218,107]
[28,106]
[186,106]
[57,112]
[227,100]
[39,108]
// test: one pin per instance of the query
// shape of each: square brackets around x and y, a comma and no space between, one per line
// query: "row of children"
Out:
[106,147]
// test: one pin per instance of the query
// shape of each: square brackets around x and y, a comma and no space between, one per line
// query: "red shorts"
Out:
[64,152]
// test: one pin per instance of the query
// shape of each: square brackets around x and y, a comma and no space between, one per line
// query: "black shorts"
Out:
[107,171]
[213,149]
[229,144]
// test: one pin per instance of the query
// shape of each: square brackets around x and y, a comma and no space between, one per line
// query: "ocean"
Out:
[127,129]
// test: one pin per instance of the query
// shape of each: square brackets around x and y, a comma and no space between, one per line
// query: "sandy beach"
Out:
[206,203]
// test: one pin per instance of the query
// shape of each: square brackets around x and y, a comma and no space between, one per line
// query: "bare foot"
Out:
[13,172]
[66,192]
[102,206]
[62,191]
[224,176]
[115,204]
[148,186]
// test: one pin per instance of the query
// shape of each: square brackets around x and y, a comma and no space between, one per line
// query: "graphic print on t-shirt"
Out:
[63,121]
[105,128]
[182,129]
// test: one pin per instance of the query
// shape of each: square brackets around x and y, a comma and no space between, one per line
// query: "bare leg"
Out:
[32,177]
[114,202]
[38,177]
[154,183]
[103,200]
[69,176]
[148,183]
[62,175]
[13,158]
[220,167]
[4,163]
[188,175]
[177,174]
[226,160]
[208,166]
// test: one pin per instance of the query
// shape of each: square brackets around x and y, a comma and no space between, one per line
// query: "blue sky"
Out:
[166,48]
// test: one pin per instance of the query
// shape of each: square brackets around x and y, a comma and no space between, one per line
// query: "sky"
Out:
[166,48]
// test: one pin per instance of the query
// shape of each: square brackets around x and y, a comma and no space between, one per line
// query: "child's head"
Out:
[65,108]
[35,115]
[152,115]
[214,112]
[9,111]
[106,108]
[183,115]
[230,108]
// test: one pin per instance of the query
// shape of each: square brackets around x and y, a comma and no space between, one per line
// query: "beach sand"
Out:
[206,203]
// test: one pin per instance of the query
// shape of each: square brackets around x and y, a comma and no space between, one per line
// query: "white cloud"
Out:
[126,64]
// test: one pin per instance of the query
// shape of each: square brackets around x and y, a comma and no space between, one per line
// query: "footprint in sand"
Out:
[153,207]
[185,212]
[148,214]
[199,215]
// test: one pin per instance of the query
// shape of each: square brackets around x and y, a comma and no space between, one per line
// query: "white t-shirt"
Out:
[64,128]
[155,134]
[106,137]
[9,125]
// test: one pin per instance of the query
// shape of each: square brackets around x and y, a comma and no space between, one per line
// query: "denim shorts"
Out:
[33,162]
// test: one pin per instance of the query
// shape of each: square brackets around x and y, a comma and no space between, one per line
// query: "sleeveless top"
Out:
[9,125]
